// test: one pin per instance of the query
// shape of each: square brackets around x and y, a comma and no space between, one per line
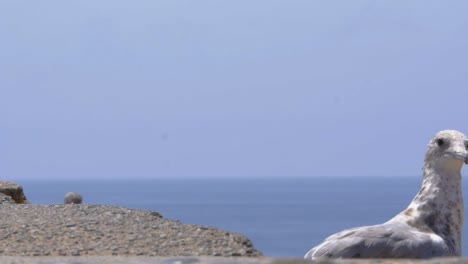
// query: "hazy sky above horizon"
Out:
[265,88]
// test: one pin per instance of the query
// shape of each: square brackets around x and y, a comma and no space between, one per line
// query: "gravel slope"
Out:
[74,230]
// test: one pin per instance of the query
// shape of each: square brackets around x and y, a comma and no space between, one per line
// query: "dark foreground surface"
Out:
[85,230]
[209,260]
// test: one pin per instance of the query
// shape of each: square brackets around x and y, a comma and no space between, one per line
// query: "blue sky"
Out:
[158,89]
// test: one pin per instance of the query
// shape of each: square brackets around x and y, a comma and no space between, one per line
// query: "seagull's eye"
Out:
[440,142]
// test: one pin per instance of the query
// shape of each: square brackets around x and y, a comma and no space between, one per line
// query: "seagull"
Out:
[429,227]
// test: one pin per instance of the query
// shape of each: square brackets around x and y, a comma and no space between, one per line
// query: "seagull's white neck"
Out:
[438,206]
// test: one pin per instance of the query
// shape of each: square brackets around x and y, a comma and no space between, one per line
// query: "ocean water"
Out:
[282,217]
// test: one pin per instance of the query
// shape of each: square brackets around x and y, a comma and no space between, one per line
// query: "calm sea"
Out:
[282,217]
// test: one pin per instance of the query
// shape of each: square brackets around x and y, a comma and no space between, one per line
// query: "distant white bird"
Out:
[431,225]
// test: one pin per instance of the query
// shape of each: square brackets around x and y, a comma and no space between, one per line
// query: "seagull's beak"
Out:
[461,156]
[466,152]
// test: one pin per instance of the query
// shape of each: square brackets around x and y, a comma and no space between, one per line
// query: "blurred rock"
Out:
[14,191]
[5,199]
[73,198]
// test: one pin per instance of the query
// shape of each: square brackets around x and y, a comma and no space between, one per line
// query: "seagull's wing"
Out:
[380,241]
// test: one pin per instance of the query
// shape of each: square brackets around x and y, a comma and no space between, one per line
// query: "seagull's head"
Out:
[447,150]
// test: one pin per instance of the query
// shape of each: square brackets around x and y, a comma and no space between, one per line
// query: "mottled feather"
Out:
[429,227]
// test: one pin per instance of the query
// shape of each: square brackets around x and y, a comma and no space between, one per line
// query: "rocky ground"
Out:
[75,230]
[98,230]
